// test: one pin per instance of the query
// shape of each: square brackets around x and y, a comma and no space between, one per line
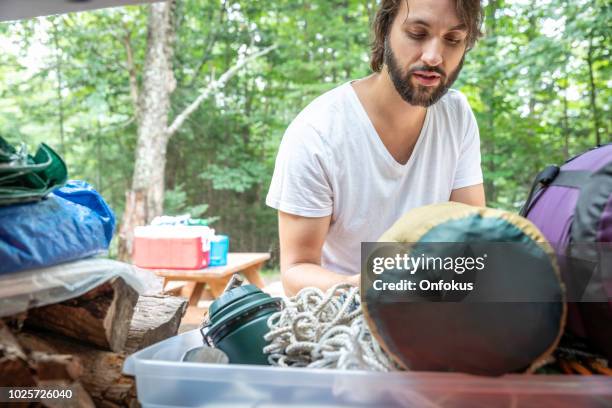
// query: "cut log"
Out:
[155,318]
[41,369]
[15,322]
[43,361]
[102,370]
[80,398]
[100,317]
[14,369]
[55,367]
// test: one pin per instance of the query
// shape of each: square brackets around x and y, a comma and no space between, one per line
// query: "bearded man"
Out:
[363,154]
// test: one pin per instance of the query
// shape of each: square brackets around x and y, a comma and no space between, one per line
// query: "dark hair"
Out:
[469,11]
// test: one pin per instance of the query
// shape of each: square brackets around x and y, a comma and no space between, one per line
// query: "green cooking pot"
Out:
[237,323]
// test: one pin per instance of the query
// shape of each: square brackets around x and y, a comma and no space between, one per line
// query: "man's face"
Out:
[424,50]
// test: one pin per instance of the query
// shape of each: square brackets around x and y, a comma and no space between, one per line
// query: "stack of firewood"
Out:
[82,343]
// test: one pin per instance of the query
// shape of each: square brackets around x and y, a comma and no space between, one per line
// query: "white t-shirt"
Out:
[332,161]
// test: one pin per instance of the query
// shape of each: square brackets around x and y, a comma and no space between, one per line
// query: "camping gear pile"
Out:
[514,319]
[313,329]
[68,319]
[336,330]
[45,220]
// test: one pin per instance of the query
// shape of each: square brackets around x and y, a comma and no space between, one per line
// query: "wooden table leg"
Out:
[217,285]
[164,285]
[187,289]
[196,294]
[253,276]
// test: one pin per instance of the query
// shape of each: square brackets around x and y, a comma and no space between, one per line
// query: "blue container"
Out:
[219,247]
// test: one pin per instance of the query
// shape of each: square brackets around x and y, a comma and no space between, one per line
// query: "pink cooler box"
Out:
[171,248]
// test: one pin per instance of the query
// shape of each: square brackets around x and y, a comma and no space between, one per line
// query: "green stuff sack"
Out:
[510,321]
[25,178]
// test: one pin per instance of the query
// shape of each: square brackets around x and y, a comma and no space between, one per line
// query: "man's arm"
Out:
[301,241]
[471,195]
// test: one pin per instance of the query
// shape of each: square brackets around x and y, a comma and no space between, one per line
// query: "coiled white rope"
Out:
[324,330]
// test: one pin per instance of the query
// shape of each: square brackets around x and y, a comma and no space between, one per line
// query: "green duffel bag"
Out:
[25,178]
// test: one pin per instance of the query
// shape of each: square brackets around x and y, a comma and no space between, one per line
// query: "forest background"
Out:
[179,107]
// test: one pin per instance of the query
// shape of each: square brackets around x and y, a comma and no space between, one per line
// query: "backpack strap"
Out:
[571,178]
[554,176]
[542,180]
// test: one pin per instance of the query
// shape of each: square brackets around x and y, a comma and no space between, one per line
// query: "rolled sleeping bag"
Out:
[510,321]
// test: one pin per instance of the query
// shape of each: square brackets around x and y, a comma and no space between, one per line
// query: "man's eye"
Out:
[453,41]
[416,36]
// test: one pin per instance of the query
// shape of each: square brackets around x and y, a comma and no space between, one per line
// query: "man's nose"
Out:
[432,52]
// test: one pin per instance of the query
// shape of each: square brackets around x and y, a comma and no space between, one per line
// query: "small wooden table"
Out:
[217,277]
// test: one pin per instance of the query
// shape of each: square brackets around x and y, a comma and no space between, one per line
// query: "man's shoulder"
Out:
[453,112]
[324,110]
[455,102]
[454,117]
[454,99]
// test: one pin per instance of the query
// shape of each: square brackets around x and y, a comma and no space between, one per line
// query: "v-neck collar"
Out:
[398,167]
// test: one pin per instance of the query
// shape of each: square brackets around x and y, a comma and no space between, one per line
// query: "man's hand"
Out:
[301,241]
[355,280]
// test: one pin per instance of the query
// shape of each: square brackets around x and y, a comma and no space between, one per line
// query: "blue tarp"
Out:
[73,222]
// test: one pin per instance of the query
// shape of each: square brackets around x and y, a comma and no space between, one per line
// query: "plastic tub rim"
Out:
[520,384]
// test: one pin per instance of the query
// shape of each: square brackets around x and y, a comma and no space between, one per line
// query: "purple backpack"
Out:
[572,206]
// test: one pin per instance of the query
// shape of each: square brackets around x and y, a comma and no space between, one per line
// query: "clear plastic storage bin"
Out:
[162,380]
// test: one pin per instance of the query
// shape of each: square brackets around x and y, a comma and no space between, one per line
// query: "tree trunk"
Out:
[144,201]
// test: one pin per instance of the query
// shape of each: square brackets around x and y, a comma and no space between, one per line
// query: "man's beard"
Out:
[418,95]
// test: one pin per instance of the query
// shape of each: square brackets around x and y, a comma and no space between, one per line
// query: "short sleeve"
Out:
[469,171]
[301,181]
